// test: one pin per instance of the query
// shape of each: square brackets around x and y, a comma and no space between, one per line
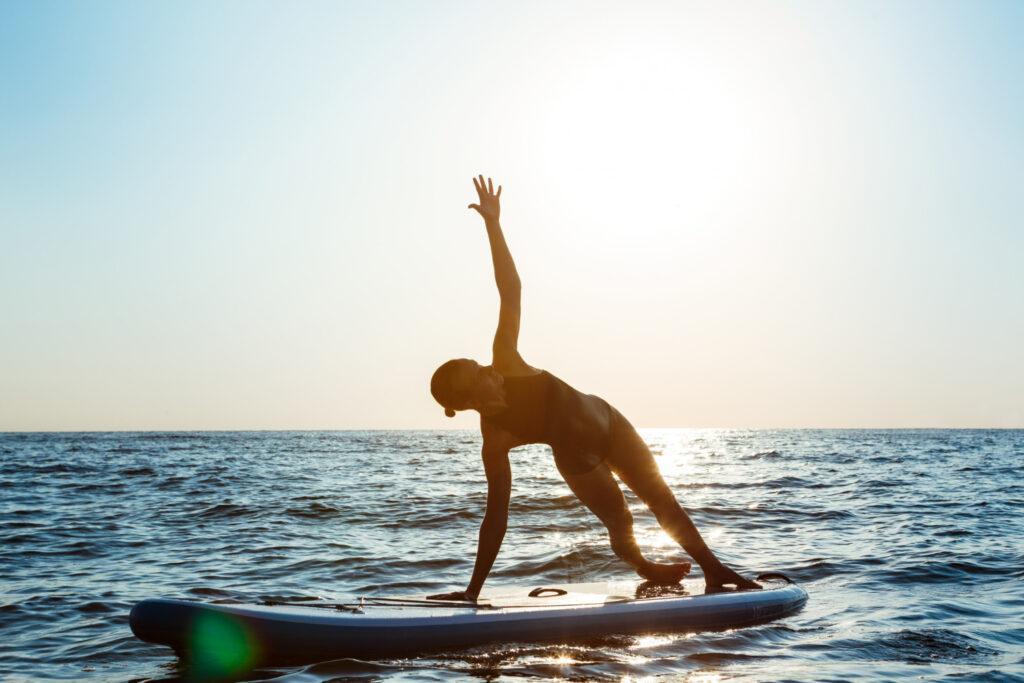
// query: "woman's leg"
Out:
[598,491]
[631,460]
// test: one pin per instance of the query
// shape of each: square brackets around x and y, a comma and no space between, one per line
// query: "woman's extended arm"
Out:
[496,445]
[495,522]
[506,338]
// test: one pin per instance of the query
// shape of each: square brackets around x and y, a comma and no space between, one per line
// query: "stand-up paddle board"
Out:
[280,632]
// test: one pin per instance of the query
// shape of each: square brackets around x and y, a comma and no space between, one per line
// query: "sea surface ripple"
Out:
[910,544]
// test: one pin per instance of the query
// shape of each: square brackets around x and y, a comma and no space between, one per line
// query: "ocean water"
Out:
[910,544]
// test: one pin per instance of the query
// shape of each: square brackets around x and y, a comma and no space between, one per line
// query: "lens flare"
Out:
[220,645]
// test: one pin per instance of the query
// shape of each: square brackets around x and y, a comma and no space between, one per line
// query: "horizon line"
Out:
[474,429]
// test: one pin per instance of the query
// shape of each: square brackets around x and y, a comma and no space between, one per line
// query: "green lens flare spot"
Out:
[221,645]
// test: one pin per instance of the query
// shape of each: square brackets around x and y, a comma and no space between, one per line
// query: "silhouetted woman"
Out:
[590,439]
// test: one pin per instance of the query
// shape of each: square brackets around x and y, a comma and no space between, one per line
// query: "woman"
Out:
[519,404]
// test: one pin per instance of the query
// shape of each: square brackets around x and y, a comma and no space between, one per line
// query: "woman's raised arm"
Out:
[506,339]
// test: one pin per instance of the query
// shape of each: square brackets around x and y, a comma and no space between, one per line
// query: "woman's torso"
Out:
[544,409]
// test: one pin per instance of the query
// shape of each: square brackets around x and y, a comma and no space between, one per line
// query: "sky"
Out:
[253,215]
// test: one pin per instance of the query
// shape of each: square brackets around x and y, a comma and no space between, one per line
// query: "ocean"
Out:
[910,544]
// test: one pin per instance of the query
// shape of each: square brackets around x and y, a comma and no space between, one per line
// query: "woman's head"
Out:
[462,384]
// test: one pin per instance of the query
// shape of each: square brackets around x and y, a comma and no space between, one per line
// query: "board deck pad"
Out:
[576,594]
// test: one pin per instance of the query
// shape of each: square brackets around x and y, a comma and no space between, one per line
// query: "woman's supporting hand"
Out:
[490,205]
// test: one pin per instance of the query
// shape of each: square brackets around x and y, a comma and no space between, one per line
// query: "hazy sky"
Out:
[253,215]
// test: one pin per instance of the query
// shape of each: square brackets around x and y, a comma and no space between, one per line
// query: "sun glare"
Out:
[627,131]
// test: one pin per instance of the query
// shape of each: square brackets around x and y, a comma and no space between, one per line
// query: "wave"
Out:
[786,513]
[58,468]
[930,645]
[315,511]
[578,563]
[143,471]
[763,455]
[818,568]
[959,572]
[430,519]
[786,482]
[98,608]
[228,510]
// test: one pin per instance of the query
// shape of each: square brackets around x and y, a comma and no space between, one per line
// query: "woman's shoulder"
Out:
[511,364]
[513,370]
[536,373]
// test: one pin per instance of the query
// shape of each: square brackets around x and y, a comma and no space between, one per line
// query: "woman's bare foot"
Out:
[664,574]
[717,579]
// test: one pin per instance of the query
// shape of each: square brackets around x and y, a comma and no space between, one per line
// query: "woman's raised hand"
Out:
[490,205]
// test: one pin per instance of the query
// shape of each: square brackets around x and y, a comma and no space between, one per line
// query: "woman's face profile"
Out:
[480,383]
